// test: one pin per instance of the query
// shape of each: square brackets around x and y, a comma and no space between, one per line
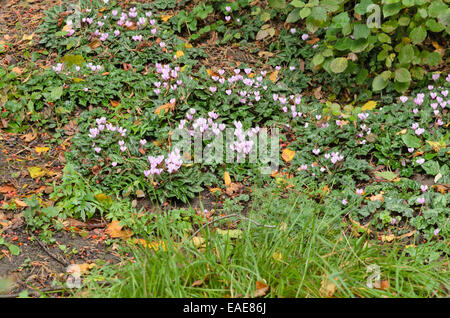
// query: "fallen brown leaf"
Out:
[261,289]
[114,230]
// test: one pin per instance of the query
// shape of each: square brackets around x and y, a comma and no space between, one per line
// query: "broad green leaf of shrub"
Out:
[417,72]
[297,4]
[432,58]
[431,167]
[305,12]
[360,31]
[341,20]
[56,93]
[338,65]
[391,9]
[402,75]
[319,14]
[384,38]
[381,81]
[317,59]
[331,5]
[361,8]
[408,3]
[293,16]
[359,45]
[401,86]
[418,34]
[277,4]
[411,141]
[406,54]
[434,26]
[436,8]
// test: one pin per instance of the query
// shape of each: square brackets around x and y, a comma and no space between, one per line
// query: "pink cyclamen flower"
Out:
[113,163]
[142,142]
[421,200]
[403,99]
[305,36]
[423,187]
[435,76]
[419,131]
[359,191]
[228,8]
[436,232]
[227,18]
[420,161]
[344,201]
[293,30]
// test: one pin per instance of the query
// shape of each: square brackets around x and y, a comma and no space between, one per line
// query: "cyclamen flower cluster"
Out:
[173,161]
[241,145]
[102,125]
[417,130]
[335,157]
[126,19]
[58,67]
[201,124]
[154,162]
[296,101]
[94,67]
[169,77]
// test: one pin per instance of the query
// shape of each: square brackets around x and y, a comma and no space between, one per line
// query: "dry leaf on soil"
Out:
[114,230]
[261,289]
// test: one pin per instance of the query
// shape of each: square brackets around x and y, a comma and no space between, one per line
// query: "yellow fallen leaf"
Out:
[17,70]
[436,145]
[231,233]
[369,105]
[27,37]
[20,203]
[358,227]
[114,230]
[277,256]
[36,172]
[179,54]
[387,238]
[166,17]
[327,287]
[188,45]
[198,241]
[41,149]
[80,268]
[273,76]
[215,190]
[401,132]
[227,178]
[101,197]
[377,197]
[287,154]
[157,245]
[165,107]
